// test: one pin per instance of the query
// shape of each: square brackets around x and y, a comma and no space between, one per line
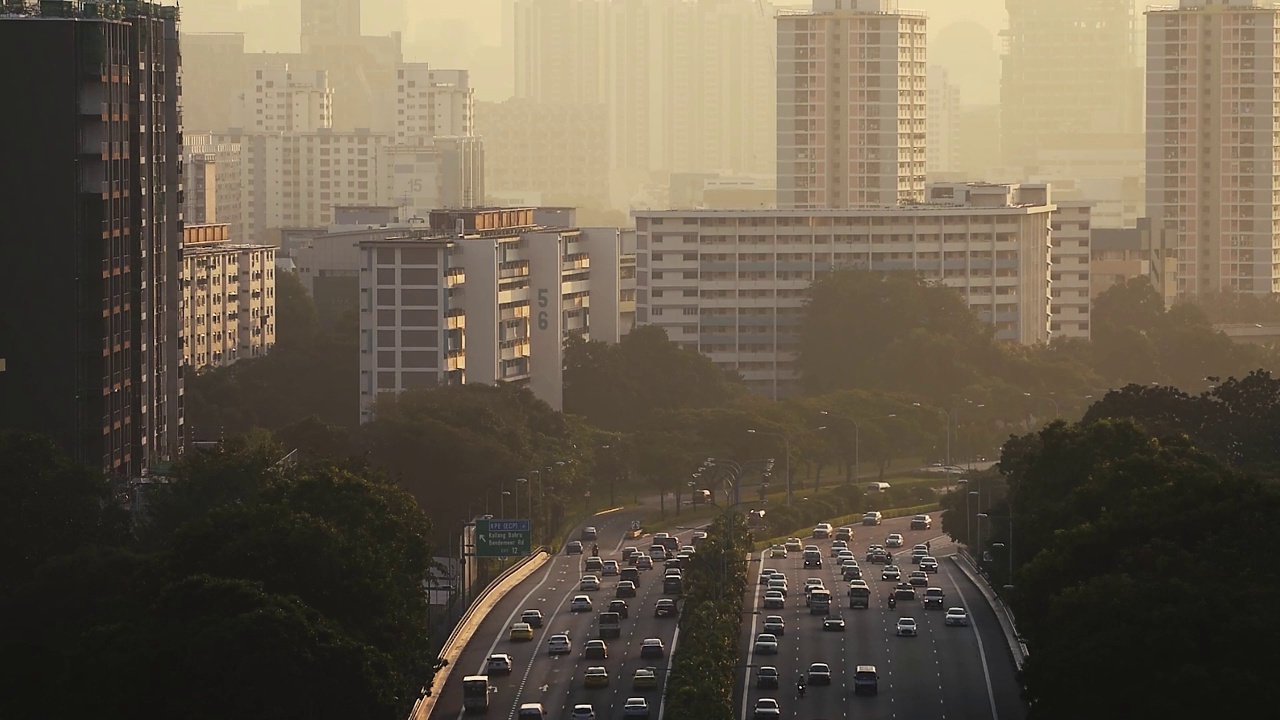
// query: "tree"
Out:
[295,313]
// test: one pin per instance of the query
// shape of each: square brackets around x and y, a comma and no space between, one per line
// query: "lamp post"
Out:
[968,529]
[857,436]
[954,416]
[787,467]
[502,504]
[519,482]
[1008,518]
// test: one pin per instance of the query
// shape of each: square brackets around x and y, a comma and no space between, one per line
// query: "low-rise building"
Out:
[731,284]
[228,298]
[485,295]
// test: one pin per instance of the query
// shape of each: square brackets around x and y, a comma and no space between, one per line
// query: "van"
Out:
[866,681]
[610,625]
[875,517]
[819,602]
[532,711]
[878,487]
[631,574]
[672,585]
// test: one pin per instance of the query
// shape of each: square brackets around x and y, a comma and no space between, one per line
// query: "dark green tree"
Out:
[295,313]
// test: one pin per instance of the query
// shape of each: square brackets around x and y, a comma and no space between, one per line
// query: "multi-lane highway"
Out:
[944,673]
[557,682]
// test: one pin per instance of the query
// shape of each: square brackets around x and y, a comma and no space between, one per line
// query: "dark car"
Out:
[573,548]
[620,607]
[666,607]
[904,593]
[767,678]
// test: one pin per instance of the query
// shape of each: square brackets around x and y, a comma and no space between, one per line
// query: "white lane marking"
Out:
[751,643]
[662,702]
[982,653]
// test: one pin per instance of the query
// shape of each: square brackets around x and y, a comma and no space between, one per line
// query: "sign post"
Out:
[503,538]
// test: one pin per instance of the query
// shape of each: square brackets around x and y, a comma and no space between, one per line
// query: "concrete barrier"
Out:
[470,622]
[1017,648]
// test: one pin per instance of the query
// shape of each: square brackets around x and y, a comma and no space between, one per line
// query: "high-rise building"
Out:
[1070,299]
[92,342]
[229,298]
[851,105]
[432,103]
[558,155]
[1071,85]
[212,183]
[329,19]
[282,99]
[561,50]
[1212,146]
[942,155]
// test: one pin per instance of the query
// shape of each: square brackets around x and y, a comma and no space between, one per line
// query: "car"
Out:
[837,546]
[672,572]
[657,552]
[666,607]
[573,548]
[811,583]
[777,551]
[611,568]
[774,600]
[894,540]
[921,522]
[890,573]
[866,681]
[918,553]
[833,623]
[904,591]
[644,562]
[589,582]
[499,664]
[850,570]
[934,598]
[775,625]
[812,558]
[819,674]
[766,576]
[793,544]
[652,648]
[559,645]
[596,677]
[620,607]
[645,678]
[595,650]
[688,550]
[635,707]
[580,603]
[844,533]
[822,531]
[811,548]
[766,709]
[629,554]
[844,555]
[956,617]
[583,712]
[766,644]
[929,564]
[625,589]
[778,585]
[589,533]
[918,578]
[593,563]
[872,550]
[767,678]
[521,632]
[533,617]
[906,627]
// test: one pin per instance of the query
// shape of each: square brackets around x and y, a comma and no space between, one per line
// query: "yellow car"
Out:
[521,632]
[596,677]
[645,679]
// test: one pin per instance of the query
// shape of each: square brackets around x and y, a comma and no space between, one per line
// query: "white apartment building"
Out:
[432,103]
[731,284]
[852,115]
[282,99]
[211,182]
[1070,277]
[1212,142]
[942,155]
[229,298]
[487,296]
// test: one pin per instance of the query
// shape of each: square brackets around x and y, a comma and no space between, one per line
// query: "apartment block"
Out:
[212,183]
[93,169]
[852,97]
[214,75]
[484,295]
[1143,250]
[1212,141]
[732,284]
[283,99]
[1070,281]
[558,154]
[942,154]
[228,298]
[447,173]
[432,103]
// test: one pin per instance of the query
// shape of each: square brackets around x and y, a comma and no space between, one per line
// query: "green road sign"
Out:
[503,538]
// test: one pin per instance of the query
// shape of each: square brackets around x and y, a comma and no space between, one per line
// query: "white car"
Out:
[775,625]
[894,540]
[957,616]
[589,582]
[636,707]
[778,585]
[559,645]
[822,530]
[583,712]
[845,555]
[929,564]
[766,644]
[890,573]
[811,583]
[580,603]
[906,627]
[774,600]
[766,709]
[837,546]
[499,664]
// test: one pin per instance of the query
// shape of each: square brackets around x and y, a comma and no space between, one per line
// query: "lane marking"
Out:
[982,653]
[751,642]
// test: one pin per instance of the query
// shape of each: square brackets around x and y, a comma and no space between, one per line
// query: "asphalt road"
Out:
[557,682]
[945,673]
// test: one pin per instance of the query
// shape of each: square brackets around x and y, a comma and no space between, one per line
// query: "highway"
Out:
[557,682]
[951,673]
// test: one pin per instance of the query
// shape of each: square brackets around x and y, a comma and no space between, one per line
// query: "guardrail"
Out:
[470,622]
[1008,624]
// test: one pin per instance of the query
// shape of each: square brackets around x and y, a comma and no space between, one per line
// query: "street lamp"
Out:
[786,468]
[857,437]
[519,482]
[998,544]
[502,504]
[1057,411]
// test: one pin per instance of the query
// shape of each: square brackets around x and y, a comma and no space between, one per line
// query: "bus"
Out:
[859,596]
[475,693]
[819,602]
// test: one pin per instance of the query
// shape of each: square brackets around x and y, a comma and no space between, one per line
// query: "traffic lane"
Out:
[561,571]
[988,641]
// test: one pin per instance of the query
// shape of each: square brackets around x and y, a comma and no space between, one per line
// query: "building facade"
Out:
[1070,280]
[212,183]
[432,103]
[1211,142]
[942,154]
[732,284]
[94,360]
[851,105]
[229,302]
[560,154]
[283,99]
[487,296]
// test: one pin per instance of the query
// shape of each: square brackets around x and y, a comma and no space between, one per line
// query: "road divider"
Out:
[470,622]
[1008,626]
